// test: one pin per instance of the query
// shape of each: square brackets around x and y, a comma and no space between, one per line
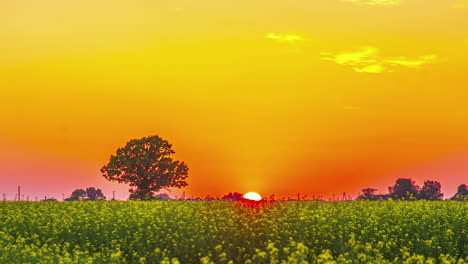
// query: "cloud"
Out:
[375,2]
[363,60]
[287,38]
[367,59]
[412,63]
[461,4]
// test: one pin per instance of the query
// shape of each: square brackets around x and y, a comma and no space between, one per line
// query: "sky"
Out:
[279,97]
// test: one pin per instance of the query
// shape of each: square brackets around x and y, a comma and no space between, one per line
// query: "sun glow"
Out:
[253,196]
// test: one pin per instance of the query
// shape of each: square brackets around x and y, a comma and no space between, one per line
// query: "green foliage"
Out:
[146,165]
[226,232]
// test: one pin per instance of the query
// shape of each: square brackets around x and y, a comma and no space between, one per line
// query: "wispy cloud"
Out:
[461,4]
[287,38]
[367,59]
[415,63]
[375,2]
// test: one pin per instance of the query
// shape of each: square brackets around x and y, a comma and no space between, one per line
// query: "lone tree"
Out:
[404,189]
[147,166]
[431,191]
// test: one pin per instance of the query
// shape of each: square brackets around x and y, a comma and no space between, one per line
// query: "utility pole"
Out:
[19,193]
[344,196]
[113,195]
[4,197]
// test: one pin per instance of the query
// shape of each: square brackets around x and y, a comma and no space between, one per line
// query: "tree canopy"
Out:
[94,194]
[233,196]
[78,194]
[147,166]
[91,194]
[462,193]
[367,194]
[431,191]
[404,189]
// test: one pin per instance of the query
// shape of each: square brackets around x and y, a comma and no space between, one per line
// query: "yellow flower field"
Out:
[230,232]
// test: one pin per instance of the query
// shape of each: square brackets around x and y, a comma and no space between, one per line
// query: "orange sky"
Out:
[313,97]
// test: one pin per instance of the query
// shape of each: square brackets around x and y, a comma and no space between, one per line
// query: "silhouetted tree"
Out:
[146,165]
[404,189]
[77,195]
[431,191]
[233,196]
[462,193]
[163,197]
[367,194]
[91,194]
[94,194]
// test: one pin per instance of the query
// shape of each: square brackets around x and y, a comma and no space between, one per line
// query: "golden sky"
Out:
[314,97]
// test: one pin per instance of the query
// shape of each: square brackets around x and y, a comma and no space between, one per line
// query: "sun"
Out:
[253,196]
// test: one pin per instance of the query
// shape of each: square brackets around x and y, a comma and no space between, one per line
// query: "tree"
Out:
[147,166]
[77,195]
[94,194]
[462,193]
[233,196]
[91,194]
[163,197]
[404,189]
[431,191]
[368,194]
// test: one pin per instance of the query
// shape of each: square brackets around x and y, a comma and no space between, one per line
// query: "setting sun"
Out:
[253,196]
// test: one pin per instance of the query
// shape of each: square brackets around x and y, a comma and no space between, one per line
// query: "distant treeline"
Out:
[406,189]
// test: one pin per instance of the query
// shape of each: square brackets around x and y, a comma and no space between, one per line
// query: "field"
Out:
[231,232]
